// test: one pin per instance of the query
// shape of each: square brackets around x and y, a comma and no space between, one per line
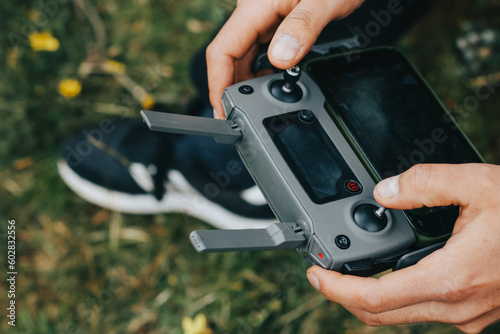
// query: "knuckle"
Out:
[456,291]
[373,304]
[471,316]
[472,328]
[421,176]
[302,18]
[372,320]
[283,7]
[211,52]
[419,179]
[460,318]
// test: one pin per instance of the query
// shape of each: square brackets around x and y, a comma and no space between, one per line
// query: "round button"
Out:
[342,241]
[365,217]
[246,89]
[352,186]
[306,116]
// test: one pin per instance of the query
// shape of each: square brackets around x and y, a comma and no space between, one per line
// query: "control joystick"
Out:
[370,218]
[287,90]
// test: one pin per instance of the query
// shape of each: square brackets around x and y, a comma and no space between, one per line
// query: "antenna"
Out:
[222,131]
[275,236]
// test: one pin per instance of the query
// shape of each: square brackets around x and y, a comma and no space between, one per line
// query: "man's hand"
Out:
[458,284]
[292,26]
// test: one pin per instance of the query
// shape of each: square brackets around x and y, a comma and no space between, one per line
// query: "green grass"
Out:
[83,269]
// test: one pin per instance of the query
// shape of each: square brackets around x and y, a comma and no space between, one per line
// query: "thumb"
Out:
[434,185]
[301,27]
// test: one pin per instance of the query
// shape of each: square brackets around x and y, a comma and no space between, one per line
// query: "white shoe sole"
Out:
[180,197]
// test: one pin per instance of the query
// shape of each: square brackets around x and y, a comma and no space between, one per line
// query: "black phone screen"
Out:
[393,117]
[390,112]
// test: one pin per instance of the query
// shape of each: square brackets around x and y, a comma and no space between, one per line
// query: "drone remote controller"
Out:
[309,158]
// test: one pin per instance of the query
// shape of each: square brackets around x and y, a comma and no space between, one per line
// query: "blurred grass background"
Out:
[83,269]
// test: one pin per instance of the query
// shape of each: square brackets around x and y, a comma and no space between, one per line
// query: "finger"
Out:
[301,27]
[480,323]
[265,71]
[431,290]
[248,24]
[243,66]
[470,318]
[435,185]
[409,286]
[423,312]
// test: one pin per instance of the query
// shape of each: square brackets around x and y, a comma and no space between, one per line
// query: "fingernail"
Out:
[286,48]
[218,115]
[313,280]
[389,187]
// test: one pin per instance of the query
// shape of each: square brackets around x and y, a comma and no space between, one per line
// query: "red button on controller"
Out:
[353,186]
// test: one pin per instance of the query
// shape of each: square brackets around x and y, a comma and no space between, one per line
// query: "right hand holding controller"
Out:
[458,284]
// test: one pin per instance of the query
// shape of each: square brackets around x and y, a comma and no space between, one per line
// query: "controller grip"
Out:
[412,258]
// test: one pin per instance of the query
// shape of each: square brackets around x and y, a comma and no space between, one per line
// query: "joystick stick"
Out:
[370,218]
[287,90]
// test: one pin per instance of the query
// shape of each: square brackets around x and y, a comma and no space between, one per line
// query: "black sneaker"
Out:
[123,166]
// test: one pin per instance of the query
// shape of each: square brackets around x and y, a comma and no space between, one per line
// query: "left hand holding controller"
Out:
[290,26]
[458,284]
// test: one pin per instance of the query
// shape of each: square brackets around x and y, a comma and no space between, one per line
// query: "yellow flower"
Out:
[198,325]
[33,15]
[114,66]
[148,101]
[43,41]
[235,286]
[172,280]
[275,305]
[197,27]
[69,88]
